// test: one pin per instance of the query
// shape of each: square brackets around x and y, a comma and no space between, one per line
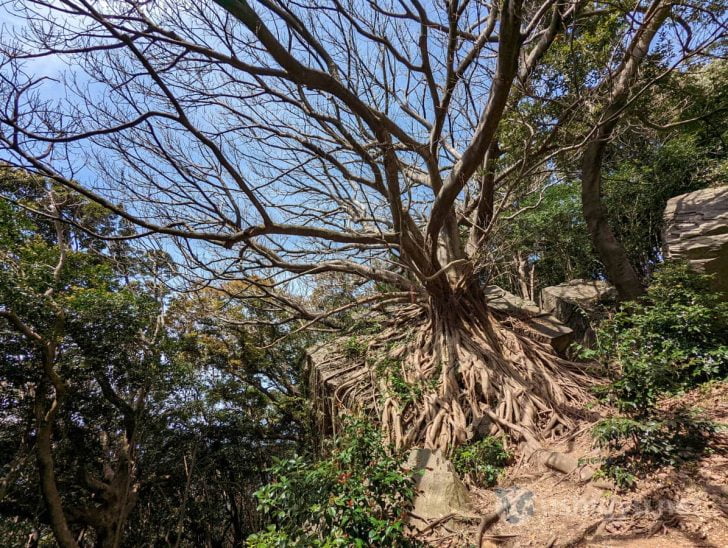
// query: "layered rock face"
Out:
[696,230]
[539,324]
[579,304]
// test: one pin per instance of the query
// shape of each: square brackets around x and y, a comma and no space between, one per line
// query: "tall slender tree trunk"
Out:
[46,468]
[483,214]
[611,252]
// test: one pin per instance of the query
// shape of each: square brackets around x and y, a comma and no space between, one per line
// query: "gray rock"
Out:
[579,304]
[439,491]
[538,323]
[515,503]
[503,301]
[696,230]
[337,384]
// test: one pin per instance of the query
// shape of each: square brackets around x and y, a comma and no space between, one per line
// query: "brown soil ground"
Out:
[671,508]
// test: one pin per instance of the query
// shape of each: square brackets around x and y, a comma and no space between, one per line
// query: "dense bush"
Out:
[674,338]
[356,497]
[481,462]
[641,445]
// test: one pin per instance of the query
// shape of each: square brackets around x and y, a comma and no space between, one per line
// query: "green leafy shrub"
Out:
[353,348]
[482,462]
[673,338]
[356,497]
[406,393]
[637,446]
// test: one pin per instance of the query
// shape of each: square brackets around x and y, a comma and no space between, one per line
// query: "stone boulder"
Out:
[439,491]
[579,304]
[540,324]
[696,230]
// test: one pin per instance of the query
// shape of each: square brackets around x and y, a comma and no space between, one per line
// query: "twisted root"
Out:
[469,373]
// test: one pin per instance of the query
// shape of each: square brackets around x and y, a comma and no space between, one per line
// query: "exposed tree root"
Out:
[487,521]
[449,372]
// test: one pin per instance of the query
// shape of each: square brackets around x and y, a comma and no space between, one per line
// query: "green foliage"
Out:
[405,392]
[620,475]
[210,408]
[642,169]
[96,316]
[365,325]
[637,446]
[356,497]
[646,168]
[354,348]
[390,370]
[386,366]
[241,407]
[572,60]
[638,184]
[552,233]
[673,338]
[482,461]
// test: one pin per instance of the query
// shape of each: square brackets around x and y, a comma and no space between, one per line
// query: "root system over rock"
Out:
[439,375]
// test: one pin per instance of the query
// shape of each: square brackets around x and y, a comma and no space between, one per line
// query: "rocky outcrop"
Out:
[579,304]
[696,230]
[438,489]
[337,382]
[539,324]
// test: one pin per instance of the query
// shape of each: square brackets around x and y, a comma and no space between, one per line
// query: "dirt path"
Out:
[672,508]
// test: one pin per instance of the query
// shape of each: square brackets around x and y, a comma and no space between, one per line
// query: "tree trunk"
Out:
[464,370]
[525,275]
[483,214]
[46,468]
[611,252]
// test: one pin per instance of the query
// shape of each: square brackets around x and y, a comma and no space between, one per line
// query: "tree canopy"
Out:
[192,194]
[358,137]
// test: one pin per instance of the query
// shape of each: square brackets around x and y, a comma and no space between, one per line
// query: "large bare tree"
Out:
[381,140]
